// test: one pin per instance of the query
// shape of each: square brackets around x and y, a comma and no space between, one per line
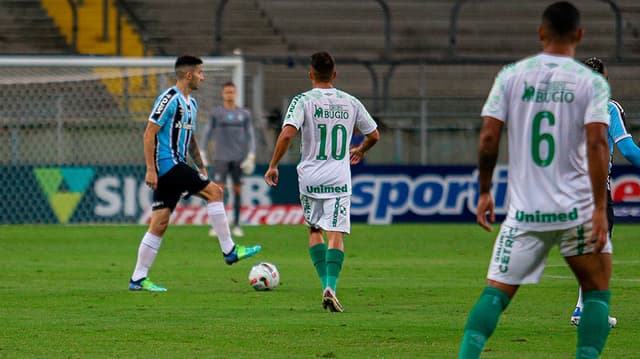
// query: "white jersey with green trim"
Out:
[545,102]
[326,119]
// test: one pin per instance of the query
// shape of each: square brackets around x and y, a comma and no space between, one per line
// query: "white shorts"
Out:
[330,214]
[519,257]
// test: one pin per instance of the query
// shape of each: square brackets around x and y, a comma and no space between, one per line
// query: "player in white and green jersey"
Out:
[326,118]
[555,109]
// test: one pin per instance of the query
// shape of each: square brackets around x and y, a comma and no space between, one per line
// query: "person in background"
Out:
[231,130]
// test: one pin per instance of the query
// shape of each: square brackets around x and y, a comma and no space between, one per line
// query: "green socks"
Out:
[482,321]
[328,263]
[594,324]
[318,257]
[335,257]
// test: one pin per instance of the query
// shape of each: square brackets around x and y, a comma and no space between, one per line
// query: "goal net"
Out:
[68,123]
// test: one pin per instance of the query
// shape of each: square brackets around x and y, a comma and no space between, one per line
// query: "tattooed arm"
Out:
[194,152]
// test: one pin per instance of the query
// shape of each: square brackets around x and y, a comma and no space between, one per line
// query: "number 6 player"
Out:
[556,113]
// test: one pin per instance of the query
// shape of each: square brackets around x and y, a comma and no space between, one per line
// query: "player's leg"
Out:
[518,258]
[317,247]
[318,253]
[165,198]
[334,260]
[335,257]
[218,218]
[148,250]
[593,272]
[335,221]
[236,178]
[219,177]
[484,316]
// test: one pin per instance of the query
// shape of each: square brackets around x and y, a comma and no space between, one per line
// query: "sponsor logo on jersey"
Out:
[186,126]
[328,189]
[537,217]
[163,103]
[332,112]
[553,91]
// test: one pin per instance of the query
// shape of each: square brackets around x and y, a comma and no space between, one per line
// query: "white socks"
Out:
[579,303]
[146,255]
[220,223]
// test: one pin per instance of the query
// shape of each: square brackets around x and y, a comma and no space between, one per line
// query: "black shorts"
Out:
[181,180]
[222,169]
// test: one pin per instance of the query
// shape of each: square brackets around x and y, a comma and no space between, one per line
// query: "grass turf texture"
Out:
[406,289]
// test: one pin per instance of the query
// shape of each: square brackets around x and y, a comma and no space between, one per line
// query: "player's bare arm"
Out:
[598,155]
[194,152]
[282,145]
[358,153]
[149,140]
[487,158]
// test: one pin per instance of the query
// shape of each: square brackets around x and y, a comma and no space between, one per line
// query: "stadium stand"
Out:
[25,28]
[452,73]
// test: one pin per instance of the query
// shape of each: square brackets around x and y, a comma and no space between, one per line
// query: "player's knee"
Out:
[212,193]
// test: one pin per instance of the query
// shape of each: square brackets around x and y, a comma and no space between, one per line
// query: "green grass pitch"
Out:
[406,290]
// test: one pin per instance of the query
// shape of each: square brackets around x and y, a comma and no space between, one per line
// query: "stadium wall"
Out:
[381,195]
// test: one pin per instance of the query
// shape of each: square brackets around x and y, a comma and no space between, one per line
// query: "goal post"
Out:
[48,102]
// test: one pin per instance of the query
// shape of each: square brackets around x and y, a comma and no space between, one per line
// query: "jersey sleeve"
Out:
[598,108]
[617,130]
[629,150]
[164,108]
[295,112]
[364,121]
[496,105]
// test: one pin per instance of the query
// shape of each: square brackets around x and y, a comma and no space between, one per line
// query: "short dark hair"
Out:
[562,19]
[595,64]
[186,60]
[228,83]
[323,66]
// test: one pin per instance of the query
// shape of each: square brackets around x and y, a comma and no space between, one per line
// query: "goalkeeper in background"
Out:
[231,130]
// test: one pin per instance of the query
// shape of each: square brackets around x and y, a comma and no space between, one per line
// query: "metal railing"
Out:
[457,7]
[74,25]
[386,13]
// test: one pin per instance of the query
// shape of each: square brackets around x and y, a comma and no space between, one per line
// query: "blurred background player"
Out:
[618,135]
[326,118]
[168,139]
[557,181]
[231,131]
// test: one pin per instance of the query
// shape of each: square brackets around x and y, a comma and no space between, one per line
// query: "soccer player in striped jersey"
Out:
[232,132]
[326,118]
[556,113]
[618,136]
[168,139]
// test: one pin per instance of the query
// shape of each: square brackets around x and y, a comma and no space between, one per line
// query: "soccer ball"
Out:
[264,276]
